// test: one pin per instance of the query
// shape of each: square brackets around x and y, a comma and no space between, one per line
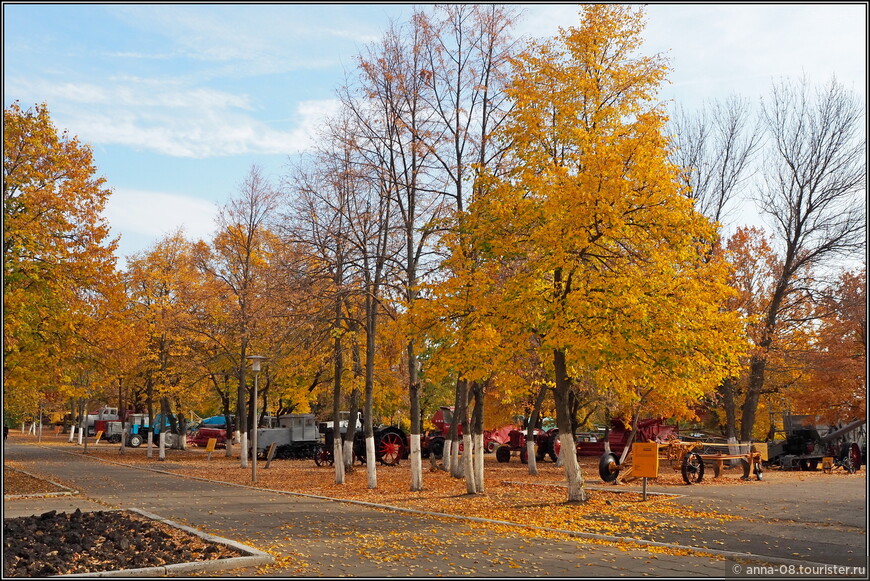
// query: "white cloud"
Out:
[155,214]
[168,118]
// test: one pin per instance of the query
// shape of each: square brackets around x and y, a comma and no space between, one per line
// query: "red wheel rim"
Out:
[390,448]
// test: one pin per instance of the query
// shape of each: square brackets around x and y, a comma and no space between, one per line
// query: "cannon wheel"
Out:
[608,467]
[693,468]
[758,470]
[852,458]
[503,453]
[390,448]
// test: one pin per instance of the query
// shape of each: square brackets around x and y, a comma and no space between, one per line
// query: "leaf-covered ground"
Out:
[511,494]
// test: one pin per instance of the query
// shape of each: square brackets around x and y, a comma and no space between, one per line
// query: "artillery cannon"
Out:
[808,444]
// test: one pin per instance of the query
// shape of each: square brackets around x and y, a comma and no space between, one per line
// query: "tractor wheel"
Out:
[693,468]
[524,455]
[135,440]
[436,448]
[323,457]
[490,447]
[554,445]
[390,448]
[503,453]
[608,467]
[115,439]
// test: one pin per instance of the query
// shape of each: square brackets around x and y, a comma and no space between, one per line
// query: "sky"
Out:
[178,101]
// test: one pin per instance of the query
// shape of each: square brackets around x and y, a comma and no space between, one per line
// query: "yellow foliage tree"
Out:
[605,259]
[57,258]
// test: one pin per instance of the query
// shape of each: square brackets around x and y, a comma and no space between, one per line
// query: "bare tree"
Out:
[716,147]
[466,56]
[814,180]
[233,262]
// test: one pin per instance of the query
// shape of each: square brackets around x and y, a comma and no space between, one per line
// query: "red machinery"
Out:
[544,440]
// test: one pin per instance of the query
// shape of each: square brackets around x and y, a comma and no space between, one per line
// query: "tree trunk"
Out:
[530,431]
[416,457]
[729,402]
[350,435]
[477,427]
[337,452]
[576,486]
[460,421]
[757,366]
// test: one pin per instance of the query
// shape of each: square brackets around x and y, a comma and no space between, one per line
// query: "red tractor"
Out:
[433,443]
[544,440]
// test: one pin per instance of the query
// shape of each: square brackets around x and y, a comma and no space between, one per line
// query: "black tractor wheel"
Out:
[693,468]
[436,448]
[503,453]
[608,467]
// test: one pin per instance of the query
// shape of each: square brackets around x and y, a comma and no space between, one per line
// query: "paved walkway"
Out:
[810,526]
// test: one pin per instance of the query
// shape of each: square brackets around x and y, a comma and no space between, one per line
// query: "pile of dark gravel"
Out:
[88,542]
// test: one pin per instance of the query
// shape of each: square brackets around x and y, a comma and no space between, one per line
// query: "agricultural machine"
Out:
[544,440]
[433,443]
[138,427]
[296,436]
[210,427]
[809,444]
[391,443]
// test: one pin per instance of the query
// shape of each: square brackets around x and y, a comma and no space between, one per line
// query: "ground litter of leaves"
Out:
[512,496]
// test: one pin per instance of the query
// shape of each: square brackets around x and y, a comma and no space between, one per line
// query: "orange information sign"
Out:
[645,459]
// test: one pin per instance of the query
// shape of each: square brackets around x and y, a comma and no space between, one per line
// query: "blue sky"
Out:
[179,100]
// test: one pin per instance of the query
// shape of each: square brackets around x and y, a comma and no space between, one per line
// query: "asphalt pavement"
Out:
[807,529]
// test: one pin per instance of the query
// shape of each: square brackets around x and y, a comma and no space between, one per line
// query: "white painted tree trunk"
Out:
[576,487]
[149,450]
[445,454]
[468,464]
[532,456]
[416,460]
[122,449]
[162,445]
[81,431]
[371,464]
[347,450]
[229,447]
[243,453]
[72,433]
[479,451]
[456,461]
[338,455]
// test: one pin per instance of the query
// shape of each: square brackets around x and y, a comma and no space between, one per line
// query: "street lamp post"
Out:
[255,367]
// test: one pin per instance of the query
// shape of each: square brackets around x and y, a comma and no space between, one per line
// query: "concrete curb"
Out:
[255,557]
